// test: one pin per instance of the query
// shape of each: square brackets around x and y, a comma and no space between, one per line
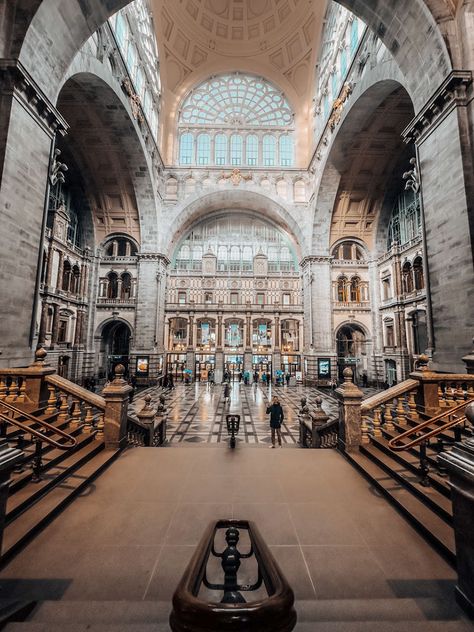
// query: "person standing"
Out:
[226,392]
[276,418]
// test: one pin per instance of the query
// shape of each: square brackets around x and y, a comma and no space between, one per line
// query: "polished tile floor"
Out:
[197,412]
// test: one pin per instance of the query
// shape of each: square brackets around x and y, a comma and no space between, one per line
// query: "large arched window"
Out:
[407,278]
[418,274]
[239,105]
[269,151]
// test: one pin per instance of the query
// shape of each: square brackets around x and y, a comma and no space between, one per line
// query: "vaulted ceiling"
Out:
[277,39]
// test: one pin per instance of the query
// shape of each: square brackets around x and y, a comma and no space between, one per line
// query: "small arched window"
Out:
[112,288]
[75,280]
[355,289]
[269,150]
[236,149]
[203,149]
[220,149]
[186,149]
[66,280]
[342,289]
[407,278]
[418,274]
[251,151]
[126,291]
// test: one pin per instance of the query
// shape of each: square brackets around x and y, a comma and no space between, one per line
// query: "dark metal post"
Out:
[230,566]
[424,467]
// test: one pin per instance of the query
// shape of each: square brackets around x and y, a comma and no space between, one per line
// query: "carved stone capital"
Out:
[15,79]
[453,92]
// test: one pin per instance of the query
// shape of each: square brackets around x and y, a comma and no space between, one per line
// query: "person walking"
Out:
[276,418]
[226,392]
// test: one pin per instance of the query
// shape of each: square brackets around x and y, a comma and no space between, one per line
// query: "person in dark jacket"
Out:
[276,417]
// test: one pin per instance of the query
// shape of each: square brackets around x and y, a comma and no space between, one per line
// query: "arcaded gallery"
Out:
[227,226]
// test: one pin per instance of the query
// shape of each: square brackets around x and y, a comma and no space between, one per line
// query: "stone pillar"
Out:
[49,266]
[191,331]
[219,331]
[28,124]
[59,278]
[350,418]
[146,416]
[219,371]
[317,300]
[441,128]
[116,396]
[277,332]
[78,332]
[248,332]
[459,463]
[55,325]
[43,322]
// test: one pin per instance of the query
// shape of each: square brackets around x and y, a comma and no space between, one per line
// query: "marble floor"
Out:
[197,412]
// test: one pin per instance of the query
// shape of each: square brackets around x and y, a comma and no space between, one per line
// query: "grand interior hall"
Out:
[227,226]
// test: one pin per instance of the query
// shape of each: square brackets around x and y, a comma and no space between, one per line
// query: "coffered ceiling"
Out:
[278,39]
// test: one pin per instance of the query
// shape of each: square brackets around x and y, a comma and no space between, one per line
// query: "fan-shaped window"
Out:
[238,103]
[269,151]
[348,251]
[221,149]
[286,151]
[251,150]
[203,149]
[418,274]
[236,100]
[121,247]
[186,149]
[235,150]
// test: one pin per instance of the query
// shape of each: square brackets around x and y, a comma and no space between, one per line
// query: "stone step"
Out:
[80,473]
[424,519]
[112,612]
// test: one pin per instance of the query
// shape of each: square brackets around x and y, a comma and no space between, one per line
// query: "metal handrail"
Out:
[276,612]
[40,435]
[394,443]
[42,423]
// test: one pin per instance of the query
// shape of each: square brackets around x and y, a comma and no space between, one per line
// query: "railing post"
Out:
[459,463]
[116,396]
[427,397]
[9,458]
[350,398]
[36,391]
[146,417]
[318,419]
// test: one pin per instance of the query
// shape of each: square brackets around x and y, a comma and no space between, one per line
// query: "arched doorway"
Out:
[114,348]
[351,343]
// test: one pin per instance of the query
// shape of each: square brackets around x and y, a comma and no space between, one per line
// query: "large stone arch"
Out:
[407,27]
[111,148]
[202,206]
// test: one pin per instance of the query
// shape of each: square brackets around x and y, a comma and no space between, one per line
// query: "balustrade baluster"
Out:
[449,392]
[3,388]
[441,396]
[21,390]
[76,413]
[63,409]
[89,419]
[52,400]
[364,427]
[412,406]
[100,427]
[401,418]
[388,416]
[470,390]
[459,392]
[376,429]
[13,390]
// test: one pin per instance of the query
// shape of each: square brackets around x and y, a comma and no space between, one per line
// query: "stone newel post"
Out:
[146,416]
[350,418]
[116,396]
[459,463]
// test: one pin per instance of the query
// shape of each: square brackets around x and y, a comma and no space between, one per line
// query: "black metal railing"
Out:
[233,609]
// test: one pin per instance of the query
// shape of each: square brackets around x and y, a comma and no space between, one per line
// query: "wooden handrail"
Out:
[276,612]
[394,444]
[40,435]
[76,391]
[391,393]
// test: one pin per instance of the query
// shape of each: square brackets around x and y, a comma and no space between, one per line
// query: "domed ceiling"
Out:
[277,39]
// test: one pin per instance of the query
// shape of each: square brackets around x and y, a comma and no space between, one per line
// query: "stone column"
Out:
[43,323]
[191,331]
[350,418]
[78,332]
[277,332]
[248,332]
[59,278]
[116,396]
[49,266]
[55,325]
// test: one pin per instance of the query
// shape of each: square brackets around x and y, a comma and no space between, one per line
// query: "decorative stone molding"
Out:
[338,106]
[152,256]
[15,78]
[453,92]
[315,259]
